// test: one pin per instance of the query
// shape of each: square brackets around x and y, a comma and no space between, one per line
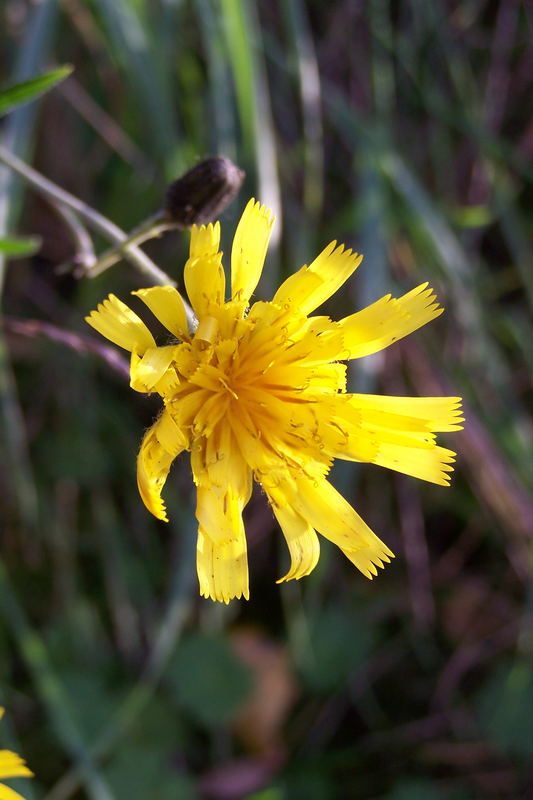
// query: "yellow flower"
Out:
[11,766]
[258,393]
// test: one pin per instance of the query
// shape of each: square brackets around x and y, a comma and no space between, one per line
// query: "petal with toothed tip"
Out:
[249,250]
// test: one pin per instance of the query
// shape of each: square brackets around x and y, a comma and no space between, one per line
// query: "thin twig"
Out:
[85,256]
[151,228]
[104,226]
[33,328]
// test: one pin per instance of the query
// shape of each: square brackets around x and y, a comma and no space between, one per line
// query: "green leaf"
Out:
[208,679]
[339,642]
[504,705]
[18,248]
[92,698]
[25,91]
[141,772]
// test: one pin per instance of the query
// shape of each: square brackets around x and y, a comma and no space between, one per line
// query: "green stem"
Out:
[149,229]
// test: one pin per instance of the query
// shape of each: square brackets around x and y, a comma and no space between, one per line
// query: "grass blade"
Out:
[25,91]
[13,247]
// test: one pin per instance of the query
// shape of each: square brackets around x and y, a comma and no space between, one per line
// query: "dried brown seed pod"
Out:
[203,192]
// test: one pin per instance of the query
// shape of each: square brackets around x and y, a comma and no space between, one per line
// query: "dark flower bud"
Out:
[203,192]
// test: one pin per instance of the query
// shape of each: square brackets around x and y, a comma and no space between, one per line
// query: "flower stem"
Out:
[151,228]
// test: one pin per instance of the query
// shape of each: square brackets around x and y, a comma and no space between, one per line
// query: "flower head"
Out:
[258,392]
[11,766]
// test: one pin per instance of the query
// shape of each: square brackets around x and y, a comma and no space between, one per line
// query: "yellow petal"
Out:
[387,320]
[207,330]
[331,515]
[224,464]
[409,413]
[160,446]
[218,511]
[249,250]
[166,304]
[302,541]
[429,464]
[147,371]
[205,240]
[205,282]
[224,484]
[9,794]
[12,765]
[344,437]
[401,429]
[168,384]
[222,568]
[311,286]
[368,558]
[118,323]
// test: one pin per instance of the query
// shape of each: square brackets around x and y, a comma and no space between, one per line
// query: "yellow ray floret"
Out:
[301,538]
[205,240]
[147,371]
[11,766]
[429,464]
[205,282]
[311,286]
[249,250]
[166,304]
[331,515]
[387,320]
[259,394]
[410,413]
[9,794]
[160,446]
[222,568]
[118,323]
[397,432]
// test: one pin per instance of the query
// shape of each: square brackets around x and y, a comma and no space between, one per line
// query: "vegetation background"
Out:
[399,127]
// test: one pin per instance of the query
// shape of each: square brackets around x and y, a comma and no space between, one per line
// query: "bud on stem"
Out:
[203,192]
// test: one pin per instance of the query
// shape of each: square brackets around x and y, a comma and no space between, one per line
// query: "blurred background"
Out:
[402,128]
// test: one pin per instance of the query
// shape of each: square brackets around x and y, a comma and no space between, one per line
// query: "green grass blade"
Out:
[222,134]
[17,130]
[310,97]
[135,52]
[239,52]
[243,43]
[13,247]
[25,91]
